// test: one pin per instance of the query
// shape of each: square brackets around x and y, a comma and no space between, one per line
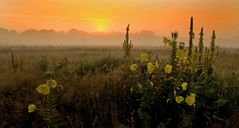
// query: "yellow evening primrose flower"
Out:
[150,67]
[190,100]
[43,89]
[144,57]
[51,83]
[184,86]
[133,67]
[179,99]
[168,69]
[180,54]
[31,108]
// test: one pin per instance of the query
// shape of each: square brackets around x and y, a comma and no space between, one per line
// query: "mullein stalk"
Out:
[191,37]
[127,45]
[195,58]
[174,50]
[206,64]
[212,44]
[201,45]
[211,53]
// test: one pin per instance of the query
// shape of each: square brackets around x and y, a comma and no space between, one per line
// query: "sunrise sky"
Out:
[159,16]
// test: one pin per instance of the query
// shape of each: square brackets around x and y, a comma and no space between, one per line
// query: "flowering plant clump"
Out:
[158,82]
[183,85]
[50,92]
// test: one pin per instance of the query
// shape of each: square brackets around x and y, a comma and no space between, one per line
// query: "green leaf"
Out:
[122,126]
[145,117]
[221,102]
[161,125]
[166,41]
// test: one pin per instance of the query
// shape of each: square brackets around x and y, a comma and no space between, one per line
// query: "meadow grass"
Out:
[95,87]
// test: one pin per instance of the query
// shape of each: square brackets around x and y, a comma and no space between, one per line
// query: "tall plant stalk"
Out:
[201,45]
[127,45]
[191,37]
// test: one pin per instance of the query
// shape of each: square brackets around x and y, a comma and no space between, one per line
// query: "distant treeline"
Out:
[77,37]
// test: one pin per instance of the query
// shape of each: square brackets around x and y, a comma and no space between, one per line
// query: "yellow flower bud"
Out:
[31,108]
[184,86]
[133,67]
[157,64]
[150,67]
[174,92]
[51,83]
[144,57]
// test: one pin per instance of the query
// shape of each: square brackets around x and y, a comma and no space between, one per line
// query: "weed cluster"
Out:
[184,92]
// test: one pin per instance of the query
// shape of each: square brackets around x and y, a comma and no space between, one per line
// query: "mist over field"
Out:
[82,38]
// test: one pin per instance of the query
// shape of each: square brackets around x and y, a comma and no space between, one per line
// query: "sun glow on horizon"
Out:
[100,25]
[158,16]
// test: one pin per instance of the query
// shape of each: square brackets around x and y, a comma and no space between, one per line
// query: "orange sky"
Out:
[159,16]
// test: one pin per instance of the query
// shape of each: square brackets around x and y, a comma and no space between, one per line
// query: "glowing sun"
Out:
[100,25]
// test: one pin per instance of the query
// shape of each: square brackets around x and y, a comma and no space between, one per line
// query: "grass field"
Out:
[96,88]
[227,60]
